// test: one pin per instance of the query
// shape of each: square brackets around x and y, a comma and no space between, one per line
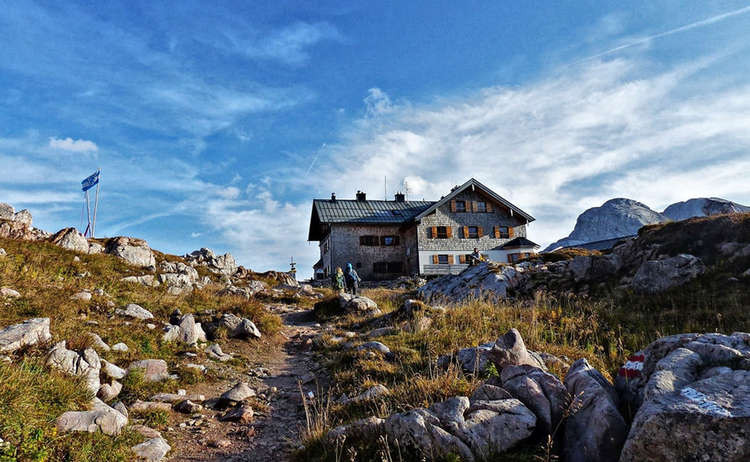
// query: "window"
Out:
[472,232]
[514,257]
[369,240]
[442,259]
[502,232]
[380,267]
[481,207]
[442,232]
[389,240]
[395,267]
[460,206]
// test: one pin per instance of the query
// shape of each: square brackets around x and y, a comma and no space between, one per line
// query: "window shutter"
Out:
[434,232]
[510,258]
[449,231]
[450,259]
[462,259]
[435,260]
[479,231]
[474,206]
[496,232]
[489,207]
[453,206]
[510,232]
[466,232]
[467,206]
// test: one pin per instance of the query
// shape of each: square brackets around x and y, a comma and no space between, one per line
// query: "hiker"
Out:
[352,279]
[475,257]
[338,280]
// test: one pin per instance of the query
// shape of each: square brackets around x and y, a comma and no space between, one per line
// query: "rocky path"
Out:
[274,433]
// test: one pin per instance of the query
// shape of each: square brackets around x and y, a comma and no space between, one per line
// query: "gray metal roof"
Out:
[354,211]
[520,241]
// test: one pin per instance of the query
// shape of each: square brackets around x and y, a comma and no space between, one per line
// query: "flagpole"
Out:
[96,202]
[88,213]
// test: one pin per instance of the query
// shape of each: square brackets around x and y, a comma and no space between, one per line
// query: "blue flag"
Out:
[90,181]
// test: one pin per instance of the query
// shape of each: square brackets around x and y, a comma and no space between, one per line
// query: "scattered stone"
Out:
[152,450]
[154,370]
[132,310]
[82,296]
[510,350]
[86,364]
[29,332]
[175,397]
[147,406]
[198,367]
[109,391]
[101,418]
[120,407]
[382,332]
[214,352]
[112,371]
[3,252]
[98,343]
[188,407]
[120,347]
[146,280]
[370,393]
[150,326]
[8,292]
[146,432]
[241,414]
[374,346]
[240,392]
[220,444]
[595,430]
[235,326]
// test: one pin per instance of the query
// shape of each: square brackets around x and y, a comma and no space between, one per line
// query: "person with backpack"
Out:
[339,284]
[352,279]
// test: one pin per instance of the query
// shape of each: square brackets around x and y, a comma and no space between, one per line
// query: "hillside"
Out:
[487,365]
[623,217]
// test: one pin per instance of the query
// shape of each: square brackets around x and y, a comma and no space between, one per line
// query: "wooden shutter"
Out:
[474,206]
[489,207]
[496,232]
[433,232]
[435,260]
[510,232]
[453,206]
[449,231]
[467,206]
[466,232]
[479,231]
[510,258]
[450,259]
[462,259]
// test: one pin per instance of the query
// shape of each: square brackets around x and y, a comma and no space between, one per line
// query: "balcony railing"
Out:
[443,269]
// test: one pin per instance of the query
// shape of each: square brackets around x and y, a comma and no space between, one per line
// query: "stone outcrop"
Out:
[510,350]
[219,264]
[187,331]
[596,430]
[234,326]
[71,239]
[154,370]
[471,430]
[179,277]
[483,281]
[132,250]
[540,391]
[146,279]
[29,332]
[659,275]
[17,225]
[691,394]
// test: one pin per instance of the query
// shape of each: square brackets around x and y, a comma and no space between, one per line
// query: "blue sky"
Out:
[215,126]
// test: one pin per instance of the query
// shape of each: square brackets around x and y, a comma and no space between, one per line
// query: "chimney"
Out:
[333,197]
[400,197]
[361,196]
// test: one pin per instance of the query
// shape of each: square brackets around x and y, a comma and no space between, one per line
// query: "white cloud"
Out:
[289,44]
[377,102]
[69,144]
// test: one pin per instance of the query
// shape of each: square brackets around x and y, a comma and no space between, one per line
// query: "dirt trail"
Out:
[274,433]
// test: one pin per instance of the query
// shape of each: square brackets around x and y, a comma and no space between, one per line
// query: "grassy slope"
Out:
[31,396]
[604,328]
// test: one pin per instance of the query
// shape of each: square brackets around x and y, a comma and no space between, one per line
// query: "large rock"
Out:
[189,331]
[29,332]
[483,281]
[594,267]
[86,364]
[152,450]
[235,327]
[238,393]
[71,239]
[131,310]
[101,418]
[146,280]
[357,304]
[154,370]
[655,276]
[219,264]
[456,426]
[595,430]
[706,420]
[132,250]
[538,390]
[510,350]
